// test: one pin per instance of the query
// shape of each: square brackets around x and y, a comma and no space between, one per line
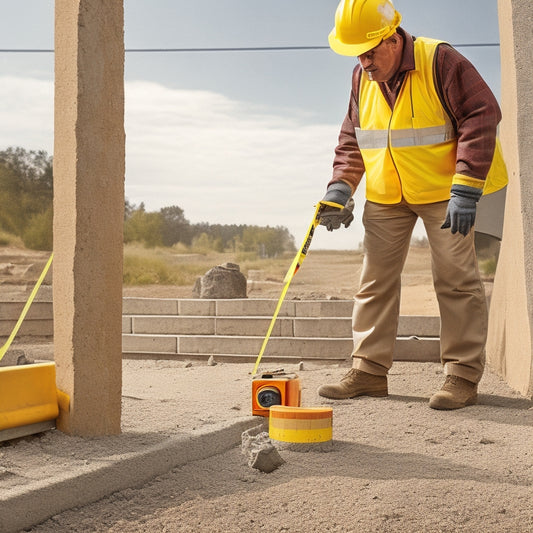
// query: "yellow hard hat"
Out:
[361,25]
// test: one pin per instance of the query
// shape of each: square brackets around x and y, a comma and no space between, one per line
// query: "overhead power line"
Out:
[219,49]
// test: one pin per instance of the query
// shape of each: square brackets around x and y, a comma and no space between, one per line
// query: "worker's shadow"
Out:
[490,407]
[370,462]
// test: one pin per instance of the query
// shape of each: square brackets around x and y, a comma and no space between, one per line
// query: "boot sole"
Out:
[372,394]
[444,405]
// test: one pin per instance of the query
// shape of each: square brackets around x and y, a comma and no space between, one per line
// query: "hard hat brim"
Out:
[344,49]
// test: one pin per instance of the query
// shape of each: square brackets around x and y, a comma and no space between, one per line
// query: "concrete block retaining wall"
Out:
[235,329]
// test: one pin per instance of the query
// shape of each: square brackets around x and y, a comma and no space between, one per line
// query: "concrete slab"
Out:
[33,502]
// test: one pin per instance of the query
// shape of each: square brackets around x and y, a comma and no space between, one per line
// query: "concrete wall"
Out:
[509,346]
[89,157]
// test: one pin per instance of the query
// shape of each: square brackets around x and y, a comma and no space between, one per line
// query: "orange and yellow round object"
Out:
[301,424]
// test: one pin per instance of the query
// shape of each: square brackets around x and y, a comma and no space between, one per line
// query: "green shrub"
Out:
[38,232]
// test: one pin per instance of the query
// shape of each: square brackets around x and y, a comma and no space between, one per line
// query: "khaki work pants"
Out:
[460,293]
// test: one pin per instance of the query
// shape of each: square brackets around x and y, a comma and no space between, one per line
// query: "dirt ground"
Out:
[394,465]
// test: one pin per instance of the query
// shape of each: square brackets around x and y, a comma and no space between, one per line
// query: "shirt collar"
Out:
[408,56]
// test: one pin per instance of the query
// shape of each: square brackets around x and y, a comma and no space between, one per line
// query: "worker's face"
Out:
[382,62]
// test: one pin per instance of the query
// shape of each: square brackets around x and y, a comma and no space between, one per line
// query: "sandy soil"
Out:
[394,465]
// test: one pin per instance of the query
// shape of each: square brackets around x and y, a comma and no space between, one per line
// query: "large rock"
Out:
[222,281]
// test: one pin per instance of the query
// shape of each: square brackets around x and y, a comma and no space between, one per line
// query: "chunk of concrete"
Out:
[262,454]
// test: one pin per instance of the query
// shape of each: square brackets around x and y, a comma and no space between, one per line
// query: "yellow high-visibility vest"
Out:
[410,152]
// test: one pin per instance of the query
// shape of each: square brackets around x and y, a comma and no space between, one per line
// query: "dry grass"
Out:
[168,266]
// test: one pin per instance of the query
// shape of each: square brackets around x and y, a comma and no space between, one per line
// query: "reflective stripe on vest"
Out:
[369,139]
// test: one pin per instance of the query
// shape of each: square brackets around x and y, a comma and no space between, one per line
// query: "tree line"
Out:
[26,211]
[168,227]
[26,194]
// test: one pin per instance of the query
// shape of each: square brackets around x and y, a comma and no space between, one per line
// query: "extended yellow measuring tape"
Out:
[22,316]
[296,264]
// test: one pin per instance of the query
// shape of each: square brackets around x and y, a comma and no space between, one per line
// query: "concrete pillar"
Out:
[89,151]
[510,342]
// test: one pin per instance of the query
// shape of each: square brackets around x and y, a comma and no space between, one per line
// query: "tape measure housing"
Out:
[274,388]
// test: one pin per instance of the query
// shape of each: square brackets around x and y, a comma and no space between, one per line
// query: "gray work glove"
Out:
[461,213]
[333,217]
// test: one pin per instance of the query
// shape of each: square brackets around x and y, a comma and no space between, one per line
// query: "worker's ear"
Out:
[395,40]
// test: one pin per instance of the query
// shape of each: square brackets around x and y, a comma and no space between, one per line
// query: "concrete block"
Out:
[255,307]
[323,308]
[37,311]
[323,327]
[245,326]
[127,324]
[316,348]
[211,345]
[149,343]
[173,325]
[286,327]
[149,306]
[197,307]
[29,328]
[277,346]
[417,349]
[421,326]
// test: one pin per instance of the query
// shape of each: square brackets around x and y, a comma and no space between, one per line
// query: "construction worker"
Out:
[421,124]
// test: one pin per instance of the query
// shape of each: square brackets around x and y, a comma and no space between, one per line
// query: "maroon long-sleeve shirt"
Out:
[470,103]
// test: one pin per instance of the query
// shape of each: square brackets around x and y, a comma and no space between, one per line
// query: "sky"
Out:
[230,137]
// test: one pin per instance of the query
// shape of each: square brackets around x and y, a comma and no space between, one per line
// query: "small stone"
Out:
[262,455]
[266,459]
[211,361]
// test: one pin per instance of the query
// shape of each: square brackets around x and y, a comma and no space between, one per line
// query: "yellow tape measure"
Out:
[22,316]
[295,265]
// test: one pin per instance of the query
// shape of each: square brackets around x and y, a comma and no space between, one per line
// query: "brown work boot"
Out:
[455,393]
[355,383]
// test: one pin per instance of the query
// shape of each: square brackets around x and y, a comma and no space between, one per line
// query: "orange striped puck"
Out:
[300,424]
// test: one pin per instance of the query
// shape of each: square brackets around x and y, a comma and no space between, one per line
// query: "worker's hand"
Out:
[461,213]
[333,217]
